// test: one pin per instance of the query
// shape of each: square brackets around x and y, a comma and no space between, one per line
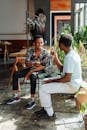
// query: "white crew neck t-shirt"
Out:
[72,64]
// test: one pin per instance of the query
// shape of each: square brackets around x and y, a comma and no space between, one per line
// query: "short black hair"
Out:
[66,40]
[37,36]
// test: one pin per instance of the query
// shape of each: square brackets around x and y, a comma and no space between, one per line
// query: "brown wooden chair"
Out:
[18,65]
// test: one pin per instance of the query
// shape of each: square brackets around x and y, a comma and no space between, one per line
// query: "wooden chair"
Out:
[18,65]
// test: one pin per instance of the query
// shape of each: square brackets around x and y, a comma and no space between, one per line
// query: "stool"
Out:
[62,96]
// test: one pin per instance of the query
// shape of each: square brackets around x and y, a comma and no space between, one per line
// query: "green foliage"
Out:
[80,36]
[65,30]
[61,55]
[83,107]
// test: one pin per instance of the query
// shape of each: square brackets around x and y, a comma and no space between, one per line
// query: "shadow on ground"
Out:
[16,117]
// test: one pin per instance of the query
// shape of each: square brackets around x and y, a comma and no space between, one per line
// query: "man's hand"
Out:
[48,80]
[28,64]
[37,64]
[56,60]
[33,64]
[54,56]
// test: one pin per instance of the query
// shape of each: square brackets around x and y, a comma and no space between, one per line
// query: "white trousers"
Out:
[46,90]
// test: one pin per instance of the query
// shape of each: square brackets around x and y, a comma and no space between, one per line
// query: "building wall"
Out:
[47,5]
[60,16]
[58,5]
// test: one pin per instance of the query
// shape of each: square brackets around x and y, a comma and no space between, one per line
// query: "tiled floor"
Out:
[15,117]
[69,121]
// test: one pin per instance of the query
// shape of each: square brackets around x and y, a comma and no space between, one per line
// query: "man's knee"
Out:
[33,77]
[15,74]
[42,89]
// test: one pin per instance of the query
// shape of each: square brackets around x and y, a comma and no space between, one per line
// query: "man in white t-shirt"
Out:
[68,83]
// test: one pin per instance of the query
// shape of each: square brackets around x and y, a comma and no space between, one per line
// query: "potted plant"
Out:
[83,110]
[81,103]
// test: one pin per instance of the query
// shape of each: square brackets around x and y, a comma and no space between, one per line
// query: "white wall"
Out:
[13,19]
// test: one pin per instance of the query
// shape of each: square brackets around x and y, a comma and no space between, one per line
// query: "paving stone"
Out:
[15,117]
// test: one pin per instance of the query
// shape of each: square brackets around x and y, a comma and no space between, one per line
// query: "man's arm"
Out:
[66,78]
[56,60]
[36,69]
[28,64]
[58,63]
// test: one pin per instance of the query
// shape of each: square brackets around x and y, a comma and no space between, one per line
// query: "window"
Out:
[78,14]
[59,20]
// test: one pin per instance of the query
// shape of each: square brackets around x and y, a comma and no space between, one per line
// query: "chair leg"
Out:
[38,86]
[14,68]
[11,75]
